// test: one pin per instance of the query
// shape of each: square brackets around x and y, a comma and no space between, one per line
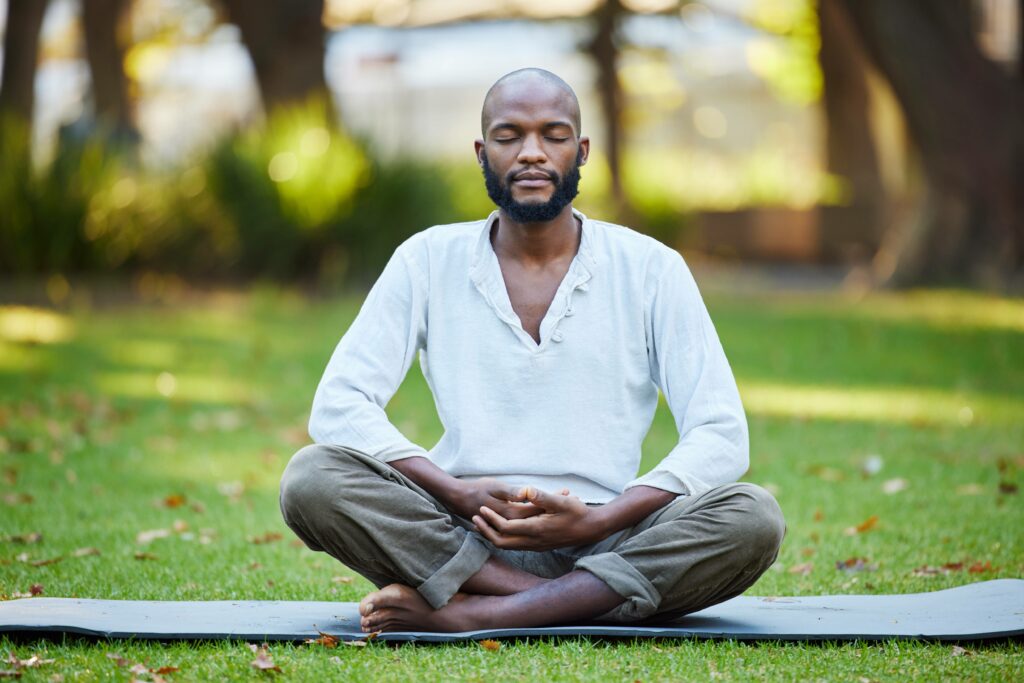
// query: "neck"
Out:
[537,243]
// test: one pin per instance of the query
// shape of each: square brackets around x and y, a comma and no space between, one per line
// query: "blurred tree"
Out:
[850,151]
[965,115]
[285,40]
[21,48]
[105,25]
[604,50]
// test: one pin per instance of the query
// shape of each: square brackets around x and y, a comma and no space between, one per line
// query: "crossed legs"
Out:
[434,572]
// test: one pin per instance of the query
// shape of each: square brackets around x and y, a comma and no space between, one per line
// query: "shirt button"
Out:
[583,286]
[569,312]
[557,336]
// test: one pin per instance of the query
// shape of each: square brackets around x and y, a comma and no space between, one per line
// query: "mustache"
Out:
[552,176]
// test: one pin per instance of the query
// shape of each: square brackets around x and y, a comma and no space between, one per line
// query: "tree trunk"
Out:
[104,26]
[965,117]
[285,40]
[21,55]
[853,230]
[605,54]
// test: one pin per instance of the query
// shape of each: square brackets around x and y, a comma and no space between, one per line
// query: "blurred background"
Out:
[192,141]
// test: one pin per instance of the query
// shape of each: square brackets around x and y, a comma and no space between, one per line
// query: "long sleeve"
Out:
[370,362]
[689,366]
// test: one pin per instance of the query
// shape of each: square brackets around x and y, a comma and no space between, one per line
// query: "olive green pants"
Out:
[694,552]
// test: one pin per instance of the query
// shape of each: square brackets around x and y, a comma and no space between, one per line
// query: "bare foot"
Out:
[401,608]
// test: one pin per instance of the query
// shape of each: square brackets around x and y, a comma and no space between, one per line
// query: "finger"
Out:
[526,528]
[508,494]
[488,532]
[518,510]
[500,541]
[565,492]
[545,500]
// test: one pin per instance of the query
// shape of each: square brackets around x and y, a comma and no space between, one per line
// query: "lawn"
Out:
[890,427]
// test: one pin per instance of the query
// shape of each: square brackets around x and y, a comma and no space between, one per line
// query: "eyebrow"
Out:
[511,126]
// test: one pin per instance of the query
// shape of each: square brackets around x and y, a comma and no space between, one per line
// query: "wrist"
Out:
[599,526]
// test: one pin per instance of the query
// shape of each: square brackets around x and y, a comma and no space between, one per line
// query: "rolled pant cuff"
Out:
[642,598]
[446,581]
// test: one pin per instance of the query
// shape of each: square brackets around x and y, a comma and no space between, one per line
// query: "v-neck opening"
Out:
[491,282]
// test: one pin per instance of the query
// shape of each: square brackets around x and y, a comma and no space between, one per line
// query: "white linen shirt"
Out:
[571,411]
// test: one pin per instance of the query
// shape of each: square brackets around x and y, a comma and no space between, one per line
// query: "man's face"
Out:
[531,152]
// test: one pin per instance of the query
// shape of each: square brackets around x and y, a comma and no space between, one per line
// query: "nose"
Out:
[532,152]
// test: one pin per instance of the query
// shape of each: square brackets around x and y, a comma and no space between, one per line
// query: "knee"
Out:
[760,524]
[311,479]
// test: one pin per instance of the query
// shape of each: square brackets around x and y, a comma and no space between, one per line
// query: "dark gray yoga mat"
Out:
[992,609]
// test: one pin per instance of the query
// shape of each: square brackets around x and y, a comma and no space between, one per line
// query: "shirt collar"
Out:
[483,252]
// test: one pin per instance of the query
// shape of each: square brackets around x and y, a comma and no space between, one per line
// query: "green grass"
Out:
[108,414]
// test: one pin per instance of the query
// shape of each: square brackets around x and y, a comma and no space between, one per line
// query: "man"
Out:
[544,337]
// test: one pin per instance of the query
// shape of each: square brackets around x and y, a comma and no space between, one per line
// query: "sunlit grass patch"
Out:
[913,405]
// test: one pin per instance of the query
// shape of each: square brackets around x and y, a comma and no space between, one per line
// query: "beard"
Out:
[566,189]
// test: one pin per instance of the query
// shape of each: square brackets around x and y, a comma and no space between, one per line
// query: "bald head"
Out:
[529,84]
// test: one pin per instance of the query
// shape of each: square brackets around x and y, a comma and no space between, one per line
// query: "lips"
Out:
[533,179]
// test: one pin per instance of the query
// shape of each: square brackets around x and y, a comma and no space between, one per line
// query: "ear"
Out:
[478,146]
[584,152]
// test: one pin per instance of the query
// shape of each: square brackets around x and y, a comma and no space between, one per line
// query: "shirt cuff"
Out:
[400,452]
[664,480]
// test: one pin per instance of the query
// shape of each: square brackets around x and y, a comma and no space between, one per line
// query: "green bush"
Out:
[295,199]
[44,210]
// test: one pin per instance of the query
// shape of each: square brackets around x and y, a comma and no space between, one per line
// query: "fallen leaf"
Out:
[10,673]
[856,564]
[354,643]
[490,645]
[164,670]
[49,560]
[818,515]
[139,669]
[1008,487]
[979,568]
[36,589]
[958,651]
[85,552]
[144,556]
[175,500]
[30,663]
[342,579]
[26,539]
[803,569]
[118,659]
[867,525]
[263,662]
[13,499]
[894,486]
[829,474]
[179,526]
[231,489]
[970,490]
[807,552]
[151,535]
[325,639]
[928,570]
[269,537]
[871,465]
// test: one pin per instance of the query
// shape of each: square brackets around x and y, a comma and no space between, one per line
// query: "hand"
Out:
[472,496]
[565,521]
